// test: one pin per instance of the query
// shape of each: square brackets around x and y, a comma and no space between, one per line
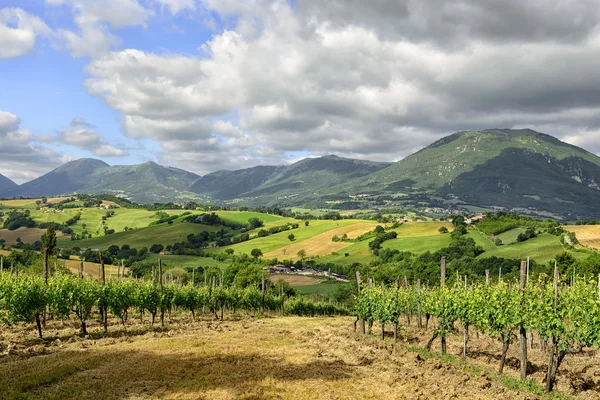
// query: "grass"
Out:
[186,261]
[274,242]
[542,249]
[27,235]
[415,229]
[419,244]
[144,237]
[510,237]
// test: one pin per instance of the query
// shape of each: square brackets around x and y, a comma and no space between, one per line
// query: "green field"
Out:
[542,249]
[419,244]
[273,242]
[510,237]
[186,261]
[144,237]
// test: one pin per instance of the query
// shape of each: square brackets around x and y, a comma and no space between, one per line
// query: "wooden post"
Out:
[103,277]
[160,285]
[81,270]
[522,331]
[361,321]
[500,275]
[419,320]
[46,270]
[487,277]
[262,303]
[1,264]
[442,320]
[222,287]
[527,269]
[193,273]
[443,272]
[153,275]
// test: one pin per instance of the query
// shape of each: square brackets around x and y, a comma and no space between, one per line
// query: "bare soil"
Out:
[271,358]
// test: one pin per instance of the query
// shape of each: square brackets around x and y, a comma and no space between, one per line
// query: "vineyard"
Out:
[564,316]
[32,299]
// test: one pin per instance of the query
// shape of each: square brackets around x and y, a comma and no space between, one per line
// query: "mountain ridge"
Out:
[506,168]
[6,183]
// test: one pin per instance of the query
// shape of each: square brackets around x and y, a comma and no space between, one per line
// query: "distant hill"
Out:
[144,183]
[66,179]
[497,167]
[523,170]
[307,178]
[6,183]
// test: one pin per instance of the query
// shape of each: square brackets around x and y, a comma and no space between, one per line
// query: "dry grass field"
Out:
[27,235]
[588,235]
[295,280]
[321,244]
[272,358]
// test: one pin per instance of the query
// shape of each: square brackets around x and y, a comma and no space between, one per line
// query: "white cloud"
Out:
[362,80]
[94,20]
[80,133]
[22,157]
[18,32]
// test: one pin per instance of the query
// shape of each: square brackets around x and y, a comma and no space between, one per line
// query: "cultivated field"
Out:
[588,235]
[27,235]
[321,244]
[272,358]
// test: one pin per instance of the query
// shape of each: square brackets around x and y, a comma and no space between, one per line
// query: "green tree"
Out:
[291,237]
[443,230]
[301,254]
[256,253]
[306,223]
[49,241]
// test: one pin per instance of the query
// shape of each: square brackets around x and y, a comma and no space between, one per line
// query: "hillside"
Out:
[307,179]
[506,168]
[6,183]
[144,183]
[66,179]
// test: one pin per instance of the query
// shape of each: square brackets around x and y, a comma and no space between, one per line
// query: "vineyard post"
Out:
[160,285]
[1,264]
[442,319]
[487,277]
[153,275]
[551,373]
[81,270]
[222,287]
[522,331]
[419,320]
[599,286]
[360,321]
[500,275]
[527,269]
[262,302]
[408,310]
[193,273]
[45,275]
[396,305]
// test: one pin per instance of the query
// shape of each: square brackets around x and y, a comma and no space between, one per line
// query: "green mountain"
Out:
[6,183]
[144,183]
[497,167]
[307,180]
[66,179]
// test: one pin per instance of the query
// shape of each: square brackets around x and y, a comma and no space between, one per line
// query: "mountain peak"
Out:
[6,183]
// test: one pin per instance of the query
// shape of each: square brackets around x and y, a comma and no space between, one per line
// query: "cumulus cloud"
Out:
[19,31]
[80,133]
[372,80]
[94,20]
[22,157]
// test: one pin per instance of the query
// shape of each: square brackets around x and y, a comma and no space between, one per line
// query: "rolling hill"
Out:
[522,170]
[6,183]
[310,178]
[144,183]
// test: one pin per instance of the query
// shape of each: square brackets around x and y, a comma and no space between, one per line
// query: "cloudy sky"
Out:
[212,84]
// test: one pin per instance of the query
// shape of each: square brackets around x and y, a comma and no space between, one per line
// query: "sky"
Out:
[206,85]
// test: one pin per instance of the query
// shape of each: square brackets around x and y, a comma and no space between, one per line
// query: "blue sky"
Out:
[225,84]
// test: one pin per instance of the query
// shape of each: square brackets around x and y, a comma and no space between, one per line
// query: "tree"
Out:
[306,223]
[49,241]
[301,254]
[156,248]
[256,253]
[255,223]
[443,230]
[291,237]
[44,200]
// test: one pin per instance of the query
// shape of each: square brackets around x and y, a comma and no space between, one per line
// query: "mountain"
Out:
[66,179]
[144,183]
[497,167]
[6,183]
[310,178]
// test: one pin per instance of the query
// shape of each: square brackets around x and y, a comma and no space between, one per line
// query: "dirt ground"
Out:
[295,280]
[270,358]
